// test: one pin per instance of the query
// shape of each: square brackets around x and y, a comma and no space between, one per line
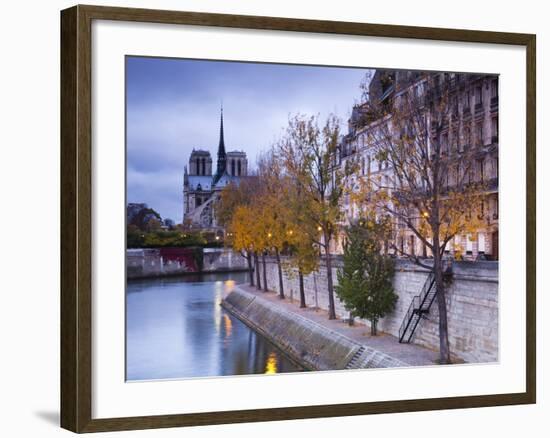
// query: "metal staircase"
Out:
[419,306]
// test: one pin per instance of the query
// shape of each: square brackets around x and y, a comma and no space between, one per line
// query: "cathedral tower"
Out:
[222,158]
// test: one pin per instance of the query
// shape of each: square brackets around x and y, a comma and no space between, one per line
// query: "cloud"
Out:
[173,106]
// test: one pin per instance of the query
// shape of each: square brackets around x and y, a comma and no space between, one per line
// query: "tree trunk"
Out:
[250,269]
[373,327]
[302,292]
[444,352]
[330,287]
[351,321]
[265,274]
[281,290]
[257,269]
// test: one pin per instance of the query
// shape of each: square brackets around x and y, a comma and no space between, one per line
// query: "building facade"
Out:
[201,187]
[472,123]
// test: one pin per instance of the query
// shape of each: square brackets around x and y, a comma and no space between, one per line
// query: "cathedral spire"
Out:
[221,151]
[221,146]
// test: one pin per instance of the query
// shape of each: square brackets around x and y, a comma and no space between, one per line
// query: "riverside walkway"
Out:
[409,354]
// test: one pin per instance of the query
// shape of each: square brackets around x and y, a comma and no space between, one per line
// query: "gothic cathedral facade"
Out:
[201,188]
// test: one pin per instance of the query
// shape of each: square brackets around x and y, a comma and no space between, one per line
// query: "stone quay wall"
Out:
[162,262]
[472,304]
[222,259]
[312,345]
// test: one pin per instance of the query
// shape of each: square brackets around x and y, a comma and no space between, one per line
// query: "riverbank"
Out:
[472,304]
[314,341]
[144,263]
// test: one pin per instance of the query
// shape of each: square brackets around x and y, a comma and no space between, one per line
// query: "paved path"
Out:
[409,353]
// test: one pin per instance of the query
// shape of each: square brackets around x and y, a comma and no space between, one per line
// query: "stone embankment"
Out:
[316,343]
[472,305]
[163,262]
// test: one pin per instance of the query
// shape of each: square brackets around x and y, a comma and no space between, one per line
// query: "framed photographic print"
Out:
[305,218]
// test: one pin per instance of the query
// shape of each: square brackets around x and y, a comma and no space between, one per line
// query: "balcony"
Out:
[478,108]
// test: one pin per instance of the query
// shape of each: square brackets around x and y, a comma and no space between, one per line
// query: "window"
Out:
[481,164]
[479,95]
[466,99]
[481,242]
[494,129]
[469,244]
[233,167]
[445,143]
[455,140]
[467,137]
[479,134]
[239,167]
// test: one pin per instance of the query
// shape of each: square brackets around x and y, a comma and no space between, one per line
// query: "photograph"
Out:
[287,218]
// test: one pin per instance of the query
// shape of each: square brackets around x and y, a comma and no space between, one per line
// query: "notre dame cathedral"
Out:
[201,188]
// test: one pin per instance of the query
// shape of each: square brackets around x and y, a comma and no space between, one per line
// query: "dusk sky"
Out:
[173,106]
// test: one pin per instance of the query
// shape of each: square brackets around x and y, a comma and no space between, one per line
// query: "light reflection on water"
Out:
[175,328]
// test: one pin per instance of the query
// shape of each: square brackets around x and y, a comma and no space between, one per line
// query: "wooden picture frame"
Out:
[76,217]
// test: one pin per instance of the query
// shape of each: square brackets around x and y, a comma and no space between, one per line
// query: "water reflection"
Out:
[176,328]
[271,365]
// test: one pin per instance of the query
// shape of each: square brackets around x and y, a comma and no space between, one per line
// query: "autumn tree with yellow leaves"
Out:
[307,152]
[235,211]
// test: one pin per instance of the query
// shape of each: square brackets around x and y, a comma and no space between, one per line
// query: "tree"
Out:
[134,236]
[241,223]
[146,219]
[272,225]
[304,252]
[305,258]
[307,153]
[428,187]
[232,198]
[234,195]
[365,280]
